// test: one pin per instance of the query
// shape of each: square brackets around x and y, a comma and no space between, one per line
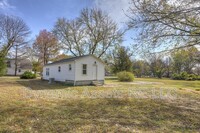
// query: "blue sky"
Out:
[42,14]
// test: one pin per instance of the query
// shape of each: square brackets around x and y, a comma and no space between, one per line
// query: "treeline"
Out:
[179,64]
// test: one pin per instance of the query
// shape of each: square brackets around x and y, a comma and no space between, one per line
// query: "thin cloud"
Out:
[4,4]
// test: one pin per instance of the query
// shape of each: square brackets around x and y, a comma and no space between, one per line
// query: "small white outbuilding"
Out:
[81,70]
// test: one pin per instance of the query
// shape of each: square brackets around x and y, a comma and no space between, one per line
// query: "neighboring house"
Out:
[81,70]
[23,65]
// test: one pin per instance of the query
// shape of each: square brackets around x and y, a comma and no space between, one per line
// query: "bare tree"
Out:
[166,24]
[13,30]
[92,33]
[72,36]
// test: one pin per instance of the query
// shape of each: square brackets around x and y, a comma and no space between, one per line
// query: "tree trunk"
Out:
[16,50]
[44,58]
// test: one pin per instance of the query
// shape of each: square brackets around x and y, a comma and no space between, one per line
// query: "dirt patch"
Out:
[111,85]
[146,83]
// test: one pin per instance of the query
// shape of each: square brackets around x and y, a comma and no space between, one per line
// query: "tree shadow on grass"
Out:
[106,115]
[37,84]
[146,115]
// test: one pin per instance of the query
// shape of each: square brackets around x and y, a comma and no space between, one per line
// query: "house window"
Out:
[84,69]
[47,71]
[19,70]
[8,64]
[70,67]
[59,69]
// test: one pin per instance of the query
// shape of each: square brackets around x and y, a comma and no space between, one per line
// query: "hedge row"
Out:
[185,76]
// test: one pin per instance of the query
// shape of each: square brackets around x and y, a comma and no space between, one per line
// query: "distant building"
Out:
[81,70]
[23,65]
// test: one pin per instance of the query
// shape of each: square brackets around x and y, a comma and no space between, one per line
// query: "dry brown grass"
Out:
[36,106]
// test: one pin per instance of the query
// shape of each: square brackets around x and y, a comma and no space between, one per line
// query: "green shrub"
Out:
[185,76]
[125,76]
[176,76]
[192,77]
[2,66]
[28,75]
[181,76]
[159,74]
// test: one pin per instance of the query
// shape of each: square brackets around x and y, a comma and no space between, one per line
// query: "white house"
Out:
[22,66]
[81,70]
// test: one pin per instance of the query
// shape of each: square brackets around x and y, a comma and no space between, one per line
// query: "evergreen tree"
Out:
[2,63]
[122,61]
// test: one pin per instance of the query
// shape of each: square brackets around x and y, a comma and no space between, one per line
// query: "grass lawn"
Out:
[145,105]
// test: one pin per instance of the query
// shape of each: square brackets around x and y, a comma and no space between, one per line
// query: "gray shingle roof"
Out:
[67,60]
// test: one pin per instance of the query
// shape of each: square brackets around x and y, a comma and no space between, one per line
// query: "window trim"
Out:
[84,69]
[47,71]
[59,68]
[9,64]
[70,67]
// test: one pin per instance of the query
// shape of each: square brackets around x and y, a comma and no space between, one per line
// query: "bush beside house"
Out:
[125,76]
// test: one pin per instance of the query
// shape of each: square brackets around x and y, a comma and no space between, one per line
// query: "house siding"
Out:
[63,75]
[11,69]
[90,69]
[87,82]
